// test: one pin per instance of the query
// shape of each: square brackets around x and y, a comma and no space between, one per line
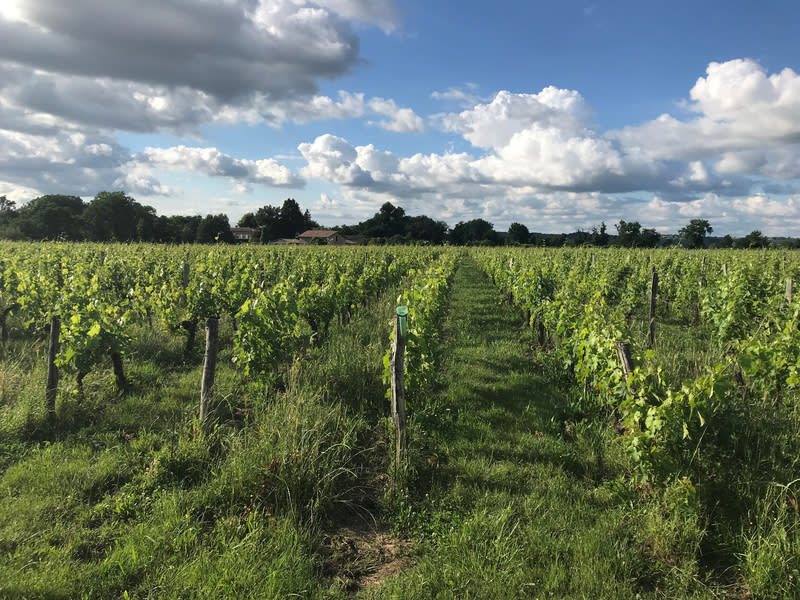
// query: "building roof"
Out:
[244,230]
[318,233]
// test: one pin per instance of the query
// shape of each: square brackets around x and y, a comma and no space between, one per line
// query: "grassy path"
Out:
[512,500]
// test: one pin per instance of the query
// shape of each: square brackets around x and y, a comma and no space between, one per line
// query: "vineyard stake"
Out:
[651,334]
[725,269]
[209,366]
[624,353]
[788,291]
[396,367]
[52,369]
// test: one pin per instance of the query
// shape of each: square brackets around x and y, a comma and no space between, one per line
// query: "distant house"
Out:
[245,234]
[323,236]
[286,242]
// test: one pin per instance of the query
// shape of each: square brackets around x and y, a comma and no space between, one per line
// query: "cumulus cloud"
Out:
[402,120]
[746,118]
[213,163]
[93,68]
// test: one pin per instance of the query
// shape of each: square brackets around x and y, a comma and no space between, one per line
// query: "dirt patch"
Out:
[362,557]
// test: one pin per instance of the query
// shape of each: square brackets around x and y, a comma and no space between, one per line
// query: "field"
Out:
[134,465]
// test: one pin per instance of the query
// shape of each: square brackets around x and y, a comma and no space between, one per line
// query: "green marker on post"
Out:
[402,312]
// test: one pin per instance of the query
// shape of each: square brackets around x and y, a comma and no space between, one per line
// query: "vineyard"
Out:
[216,422]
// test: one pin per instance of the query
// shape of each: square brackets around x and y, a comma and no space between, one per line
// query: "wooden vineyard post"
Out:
[209,366]
[594,260]
[52,369]
[624,353]
[651,333]
[396,367]
[703,282]
[185,280]
[725,269]
[788,291]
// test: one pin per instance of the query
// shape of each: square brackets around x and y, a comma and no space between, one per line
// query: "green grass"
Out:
[514,500]
[130,495]
[511,490]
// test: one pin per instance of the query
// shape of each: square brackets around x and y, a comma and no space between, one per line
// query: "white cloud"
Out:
[213,163]
[402,120]
[493,125]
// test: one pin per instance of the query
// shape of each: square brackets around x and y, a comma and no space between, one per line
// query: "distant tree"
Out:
[425,229]
[6,205]
[269,220]
[649,238]
[726,242]
[51,217]
[214,228]
[292,221]
[578,238]
[600,237]
[308,222]
[628,234]
[117,216]
[754,239]
[473,232]
[518,233]
[248,220]
[693,235]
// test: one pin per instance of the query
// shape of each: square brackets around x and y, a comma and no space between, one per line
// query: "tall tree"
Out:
[51,217]
[6,205]
[292,221]
[214,228]
[474,231]
[248,220]
[693,235]
[628,234]
[518,233]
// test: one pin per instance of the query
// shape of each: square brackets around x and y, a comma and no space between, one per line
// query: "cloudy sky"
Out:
[558,115]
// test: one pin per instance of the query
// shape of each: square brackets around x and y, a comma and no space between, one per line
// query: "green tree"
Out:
[248,220]
[518,233]
[693,235]
[649,238]
[51,217]
[425,229]
[726,242]
[473,232]
[214,228]
[754,239]
[628,234]
[6,205]
[600,237]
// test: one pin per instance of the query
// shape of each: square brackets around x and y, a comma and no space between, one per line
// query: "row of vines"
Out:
[91,299]
[737,303]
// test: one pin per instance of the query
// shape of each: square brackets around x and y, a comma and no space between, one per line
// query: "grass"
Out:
[512,491]
[515,500]
[130,497]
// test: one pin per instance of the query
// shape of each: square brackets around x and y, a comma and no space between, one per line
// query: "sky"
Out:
[556,115]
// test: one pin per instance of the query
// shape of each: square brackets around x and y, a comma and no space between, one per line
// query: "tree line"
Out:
[115,216]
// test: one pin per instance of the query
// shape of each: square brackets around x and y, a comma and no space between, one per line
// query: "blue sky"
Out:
[556,115]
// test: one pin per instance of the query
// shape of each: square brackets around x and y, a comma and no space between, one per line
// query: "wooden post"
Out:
[396,367]
[594,260]
[703,282]
[209,366]
[651,334]
[52,369]
[788,291]
[624,353]
[725,269]
[119,371]
[185,274]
